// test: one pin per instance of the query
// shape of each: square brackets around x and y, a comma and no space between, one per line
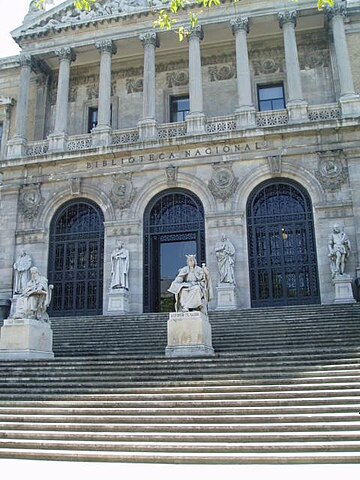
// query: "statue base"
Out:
[226,297]
[26,339]
[118,301]
[189,335]
[343,289]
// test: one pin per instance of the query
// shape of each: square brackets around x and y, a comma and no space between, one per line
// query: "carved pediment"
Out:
[66,15]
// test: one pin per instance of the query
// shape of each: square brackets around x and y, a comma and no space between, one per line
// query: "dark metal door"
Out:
[281,243]
[173,227]
[76,257]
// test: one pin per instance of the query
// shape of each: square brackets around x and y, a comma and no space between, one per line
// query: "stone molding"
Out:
[239,23]
[106,46]
[288,16]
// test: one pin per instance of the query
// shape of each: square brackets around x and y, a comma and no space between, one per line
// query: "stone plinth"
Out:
[25,338]
[343,289]
[16,147]
[225,296]
[118,301]
[57,142]
[189,335]
[245,117]
[101,136]
[148,129]
[195,123]
[350,106]
[298,112]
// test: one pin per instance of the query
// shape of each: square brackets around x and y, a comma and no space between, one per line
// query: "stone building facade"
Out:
[111,130]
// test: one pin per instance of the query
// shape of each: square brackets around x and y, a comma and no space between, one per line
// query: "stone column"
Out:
[57,140]
[147,125]
[296,105]
[17,145]
[349,100]
[196,118]
[102,132]
[245,112]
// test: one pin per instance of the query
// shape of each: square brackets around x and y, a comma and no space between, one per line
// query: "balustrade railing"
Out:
[121,137]
[318,113]
[37,148]
[79,142]
[220,124]
[272,118]
[172,130]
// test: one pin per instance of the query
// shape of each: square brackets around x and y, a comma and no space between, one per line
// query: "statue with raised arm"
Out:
[35,298]
[192,287]
[22,272]
[225,255]
[339,250]
[119,267]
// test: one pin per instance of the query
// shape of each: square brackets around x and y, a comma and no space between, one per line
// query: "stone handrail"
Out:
[79,142]
[330,111]
[220,124]
[40,147]
[172,130]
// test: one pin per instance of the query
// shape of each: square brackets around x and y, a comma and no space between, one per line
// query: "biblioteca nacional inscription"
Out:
[178,155]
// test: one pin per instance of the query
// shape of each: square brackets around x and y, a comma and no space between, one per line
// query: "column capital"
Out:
[66,53]
[106,46]
[196,32]
[239,23]
[149,38]
[335,10]
[27,60]
[288,16]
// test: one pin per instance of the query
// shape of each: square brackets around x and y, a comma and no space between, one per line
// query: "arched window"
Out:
[76,257]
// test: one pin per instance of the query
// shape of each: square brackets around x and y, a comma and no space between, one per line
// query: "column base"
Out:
[101,136]
[148,129]
[298,112]
[195,123]
[226,297]
[118,301]
[245,117]
[57,142]
[189,335]
[16,147]
[343,289]
[350,106]
[26,339]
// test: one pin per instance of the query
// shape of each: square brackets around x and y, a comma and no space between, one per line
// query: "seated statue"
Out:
[192,287]
[35,298]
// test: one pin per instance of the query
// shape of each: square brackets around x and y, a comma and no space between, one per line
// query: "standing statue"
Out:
[22,272]
[120,267]
[35,298]
[192,287]
[339,250]
[225,255]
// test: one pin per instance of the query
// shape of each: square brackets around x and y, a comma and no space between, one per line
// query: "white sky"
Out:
[12,13]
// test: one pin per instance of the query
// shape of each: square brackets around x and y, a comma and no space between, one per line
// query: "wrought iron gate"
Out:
[281,243]
[173,221]
[76,257]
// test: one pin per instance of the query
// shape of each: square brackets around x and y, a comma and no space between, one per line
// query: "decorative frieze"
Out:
[332,171]
[177,79]
[134,85]
[223,182]
[30,200]
[222,72]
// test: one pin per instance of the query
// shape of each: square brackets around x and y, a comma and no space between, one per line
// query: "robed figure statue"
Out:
[192,287]
[120,267]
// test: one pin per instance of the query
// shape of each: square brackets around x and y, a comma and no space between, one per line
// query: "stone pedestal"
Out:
[298,112]
[16,148]
[350,106]
[57,142]
[118,301]
[226,297]
[195,123]
[189,335]
[245,117]
[148,129]
[343,289]
[101,136]
[25,338]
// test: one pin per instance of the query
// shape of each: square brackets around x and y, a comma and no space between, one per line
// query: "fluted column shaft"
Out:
[195,76]
[336,18]
[107,49]
[240,28]
[22,101]
[66,56]
[150,42]
[287,22]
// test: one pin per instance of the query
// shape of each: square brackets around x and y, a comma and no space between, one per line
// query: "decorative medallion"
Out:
[332,170]
[177,79]
[30,200]
[171,175]
[223,182]
[122,192]
[221,72]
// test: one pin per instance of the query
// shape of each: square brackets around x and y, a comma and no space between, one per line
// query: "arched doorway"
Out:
[173,227]
[281,244]
[76,257]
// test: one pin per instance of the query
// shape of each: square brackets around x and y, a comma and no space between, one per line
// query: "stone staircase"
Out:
[284,387]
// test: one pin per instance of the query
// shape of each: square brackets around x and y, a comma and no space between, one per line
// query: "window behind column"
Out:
[179,108]
[1,134]
[93,117]
[271,97]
